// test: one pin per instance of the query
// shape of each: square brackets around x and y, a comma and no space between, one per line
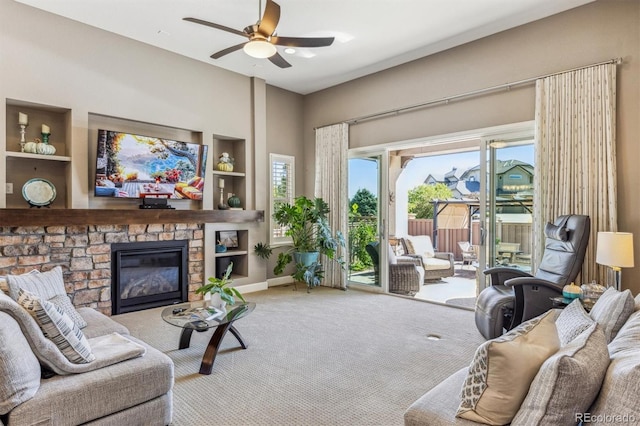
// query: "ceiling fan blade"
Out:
[226,51]
[216,26]
[302,41]
[279,61]
[270,18]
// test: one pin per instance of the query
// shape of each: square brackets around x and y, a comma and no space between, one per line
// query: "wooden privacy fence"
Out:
[448,238]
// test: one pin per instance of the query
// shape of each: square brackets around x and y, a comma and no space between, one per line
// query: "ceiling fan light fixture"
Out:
[260,49]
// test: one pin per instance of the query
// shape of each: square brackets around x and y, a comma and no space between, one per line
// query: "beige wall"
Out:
[284,136]
[582,36]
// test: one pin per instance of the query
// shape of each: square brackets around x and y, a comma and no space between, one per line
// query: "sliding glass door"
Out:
[509,203]
[366,237]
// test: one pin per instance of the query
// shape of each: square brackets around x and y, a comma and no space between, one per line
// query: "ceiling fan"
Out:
[262,39]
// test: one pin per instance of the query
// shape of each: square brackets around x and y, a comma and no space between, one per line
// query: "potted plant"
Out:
[307,224]
[219,288]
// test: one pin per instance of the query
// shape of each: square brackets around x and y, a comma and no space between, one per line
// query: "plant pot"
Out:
[306,258]
[217,302]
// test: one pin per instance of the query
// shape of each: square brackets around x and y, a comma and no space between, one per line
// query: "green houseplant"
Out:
[220,286]
[307,224]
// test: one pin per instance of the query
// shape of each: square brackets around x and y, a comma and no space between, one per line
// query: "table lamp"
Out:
[615,249]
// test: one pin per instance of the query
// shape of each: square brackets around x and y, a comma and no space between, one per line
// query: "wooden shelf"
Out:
[70,217]
[231,253]
[31,156]
[220,173]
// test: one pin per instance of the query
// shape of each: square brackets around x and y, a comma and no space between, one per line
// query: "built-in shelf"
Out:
[219,173]
[231,253]
[31,156]
[69,217]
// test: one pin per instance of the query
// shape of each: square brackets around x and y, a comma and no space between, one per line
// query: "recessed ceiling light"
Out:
[290,50]
[433,337]
[163,32]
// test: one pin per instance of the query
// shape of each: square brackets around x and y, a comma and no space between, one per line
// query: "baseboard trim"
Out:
[251,288]
[273,282]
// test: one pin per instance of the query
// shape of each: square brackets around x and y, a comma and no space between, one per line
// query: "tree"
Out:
[367,202]
[421,196]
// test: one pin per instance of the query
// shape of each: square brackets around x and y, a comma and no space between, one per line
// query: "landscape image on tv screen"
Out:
[134,166]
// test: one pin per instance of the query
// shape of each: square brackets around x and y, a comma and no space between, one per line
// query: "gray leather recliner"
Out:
[515,296]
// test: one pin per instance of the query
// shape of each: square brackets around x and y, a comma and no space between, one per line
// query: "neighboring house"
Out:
[514,177]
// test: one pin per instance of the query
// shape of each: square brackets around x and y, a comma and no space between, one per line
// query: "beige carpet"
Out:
[326,358]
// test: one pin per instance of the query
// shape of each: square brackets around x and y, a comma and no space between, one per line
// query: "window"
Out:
[282,191]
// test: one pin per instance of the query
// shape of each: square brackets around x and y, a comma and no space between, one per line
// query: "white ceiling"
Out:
[371,35]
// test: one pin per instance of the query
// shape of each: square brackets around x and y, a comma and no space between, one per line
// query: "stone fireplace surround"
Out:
[84,253]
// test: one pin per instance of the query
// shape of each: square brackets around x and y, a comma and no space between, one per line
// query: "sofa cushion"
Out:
[612,310]
[435,264]
[567,383]
[58,327]
[620,389]
[572,321]
[503,368]
[19,367]
[81,398]
[421,244]
[438,407]
[48,286]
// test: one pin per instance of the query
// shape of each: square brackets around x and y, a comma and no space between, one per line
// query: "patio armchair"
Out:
[469,253]
[405,273]
[436,265]
[516,296]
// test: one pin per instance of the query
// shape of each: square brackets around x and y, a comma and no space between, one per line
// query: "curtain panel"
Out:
[332,143]
[575,155]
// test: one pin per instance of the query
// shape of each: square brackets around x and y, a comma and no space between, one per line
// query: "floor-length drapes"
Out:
[332,143]
[575,154]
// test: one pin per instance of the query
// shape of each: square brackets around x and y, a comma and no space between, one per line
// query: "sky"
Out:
[363,172]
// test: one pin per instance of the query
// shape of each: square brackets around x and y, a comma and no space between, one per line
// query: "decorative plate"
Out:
[39,192]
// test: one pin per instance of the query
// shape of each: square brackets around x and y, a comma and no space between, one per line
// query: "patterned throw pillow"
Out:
[48,286]
[58,327]
[572,321]
[612,310]
[503,368]
[567,382]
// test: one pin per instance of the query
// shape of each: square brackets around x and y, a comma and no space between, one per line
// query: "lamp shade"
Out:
[615,249]
[259,49]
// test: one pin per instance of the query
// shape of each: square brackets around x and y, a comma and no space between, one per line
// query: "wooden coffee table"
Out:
[175,315]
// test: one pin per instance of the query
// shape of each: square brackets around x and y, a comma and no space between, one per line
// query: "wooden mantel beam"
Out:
[71,217]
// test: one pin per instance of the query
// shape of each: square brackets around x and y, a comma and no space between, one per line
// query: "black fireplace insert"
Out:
[148,274]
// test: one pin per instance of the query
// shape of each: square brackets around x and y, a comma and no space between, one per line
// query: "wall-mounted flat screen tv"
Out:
[135,166]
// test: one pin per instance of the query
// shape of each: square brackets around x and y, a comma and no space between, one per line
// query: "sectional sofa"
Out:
[94,375]
[565,367]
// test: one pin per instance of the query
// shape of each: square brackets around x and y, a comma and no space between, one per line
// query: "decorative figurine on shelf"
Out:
[222,205]
[234,201]
[225,162]
[23,121]
[46,131]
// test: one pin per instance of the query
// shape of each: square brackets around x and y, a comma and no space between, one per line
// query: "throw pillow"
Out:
[617,402]
[637,302]
[58,327]
[572,321]
[409,246]
[567,383]
[45,285]
[612,310]
[4,287]
[503,368]
[556,232]
[19,367]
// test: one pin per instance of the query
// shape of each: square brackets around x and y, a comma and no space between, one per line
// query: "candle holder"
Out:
[222,205]
[23,140]
[45,138]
